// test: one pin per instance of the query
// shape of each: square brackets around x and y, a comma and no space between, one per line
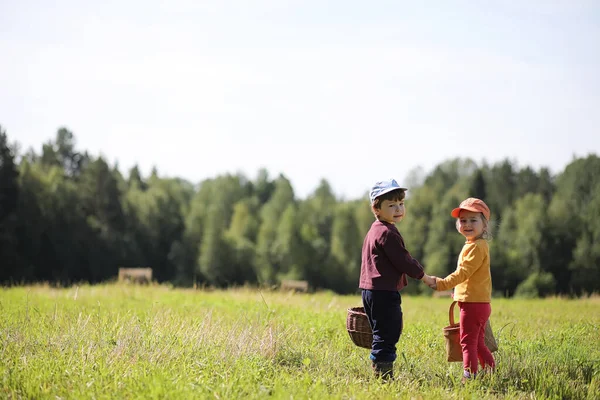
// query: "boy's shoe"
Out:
[384,369]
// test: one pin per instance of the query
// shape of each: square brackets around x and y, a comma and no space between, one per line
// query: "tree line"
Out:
[67,216]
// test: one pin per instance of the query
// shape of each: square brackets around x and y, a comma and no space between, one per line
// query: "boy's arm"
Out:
[471,261]
[401,258]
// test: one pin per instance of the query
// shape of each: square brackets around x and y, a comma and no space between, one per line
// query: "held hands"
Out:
[434,283]
[430,281]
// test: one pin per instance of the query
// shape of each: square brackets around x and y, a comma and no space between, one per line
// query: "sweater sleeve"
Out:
[400,257]
[470,260]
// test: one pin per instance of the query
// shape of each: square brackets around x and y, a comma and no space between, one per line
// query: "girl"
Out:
[473,282]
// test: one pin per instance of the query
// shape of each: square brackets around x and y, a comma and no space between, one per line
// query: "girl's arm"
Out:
[472,257]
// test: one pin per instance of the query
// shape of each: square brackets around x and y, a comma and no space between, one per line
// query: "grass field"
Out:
[115,341]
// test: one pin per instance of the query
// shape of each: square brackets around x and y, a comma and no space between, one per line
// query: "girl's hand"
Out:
[434,283]
[429,280]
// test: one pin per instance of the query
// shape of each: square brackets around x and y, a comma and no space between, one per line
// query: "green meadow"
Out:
[154,342]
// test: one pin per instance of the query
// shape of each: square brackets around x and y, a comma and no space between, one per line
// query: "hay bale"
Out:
[294,285]
[135,275]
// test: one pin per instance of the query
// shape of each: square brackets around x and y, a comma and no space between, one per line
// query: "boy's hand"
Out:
[433,282]
[429,280]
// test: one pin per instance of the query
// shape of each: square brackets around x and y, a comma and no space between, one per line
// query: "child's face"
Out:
[470,224]
[391,211]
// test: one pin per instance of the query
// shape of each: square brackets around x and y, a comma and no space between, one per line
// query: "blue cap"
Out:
[383,187]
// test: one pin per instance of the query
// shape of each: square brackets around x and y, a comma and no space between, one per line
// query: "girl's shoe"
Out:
[467,376]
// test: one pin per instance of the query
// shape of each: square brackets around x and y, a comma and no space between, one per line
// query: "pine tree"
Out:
[9,193]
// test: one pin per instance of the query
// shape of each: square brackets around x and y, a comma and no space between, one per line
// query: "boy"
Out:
[385,264]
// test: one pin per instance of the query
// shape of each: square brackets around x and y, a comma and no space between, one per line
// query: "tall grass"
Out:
[118,341]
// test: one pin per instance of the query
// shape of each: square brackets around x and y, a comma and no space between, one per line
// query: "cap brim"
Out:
[456,212]
[390,190]
[387,191]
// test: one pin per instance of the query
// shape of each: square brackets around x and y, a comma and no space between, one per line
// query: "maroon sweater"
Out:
[385,260]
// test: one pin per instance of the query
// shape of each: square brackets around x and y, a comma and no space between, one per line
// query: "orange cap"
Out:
[472,204]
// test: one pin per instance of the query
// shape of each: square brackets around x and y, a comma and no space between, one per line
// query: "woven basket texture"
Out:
[452,337]
[357,325]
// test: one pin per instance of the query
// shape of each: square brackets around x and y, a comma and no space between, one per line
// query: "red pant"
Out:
[473,317]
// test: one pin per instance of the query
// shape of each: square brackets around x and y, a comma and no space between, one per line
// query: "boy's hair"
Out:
[394,195]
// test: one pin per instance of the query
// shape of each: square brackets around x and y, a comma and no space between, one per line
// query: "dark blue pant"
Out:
[383,308]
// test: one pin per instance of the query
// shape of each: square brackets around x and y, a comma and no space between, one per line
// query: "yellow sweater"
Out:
[472,277]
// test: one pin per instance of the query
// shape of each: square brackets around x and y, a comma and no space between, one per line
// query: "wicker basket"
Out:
[358,327]
[452,337]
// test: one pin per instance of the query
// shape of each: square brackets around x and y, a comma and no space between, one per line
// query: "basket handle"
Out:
[451,313]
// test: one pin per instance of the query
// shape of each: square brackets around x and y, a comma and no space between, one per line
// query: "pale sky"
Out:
[349,91]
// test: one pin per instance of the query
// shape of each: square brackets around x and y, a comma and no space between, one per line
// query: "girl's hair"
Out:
[487,227]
